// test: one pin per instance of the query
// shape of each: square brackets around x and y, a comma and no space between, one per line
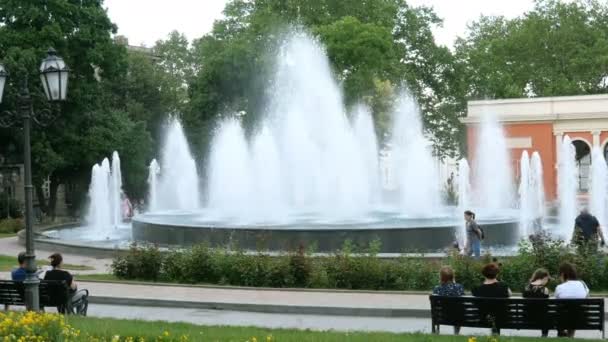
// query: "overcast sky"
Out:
[146,21]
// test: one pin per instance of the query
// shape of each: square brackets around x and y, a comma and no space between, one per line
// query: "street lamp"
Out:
[54,76]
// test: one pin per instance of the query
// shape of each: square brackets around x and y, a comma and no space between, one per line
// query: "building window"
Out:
[583,163]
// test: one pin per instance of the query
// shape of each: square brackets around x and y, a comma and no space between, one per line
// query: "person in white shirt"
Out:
[570,288]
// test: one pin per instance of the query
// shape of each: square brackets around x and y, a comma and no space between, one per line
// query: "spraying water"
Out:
[415,167]
[538,189]
[526,196]
[567,179]
[153,172]
[230,182]
[599,186]
[368,145]
[105,191]
[306,157]
[493,181]
[116,190]
[178,185]
[464,200]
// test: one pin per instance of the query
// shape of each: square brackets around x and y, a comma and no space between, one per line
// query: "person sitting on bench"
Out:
[19,273]
[78,297]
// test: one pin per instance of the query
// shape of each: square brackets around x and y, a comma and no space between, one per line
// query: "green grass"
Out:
[109,327]
[7,235]
[8,263]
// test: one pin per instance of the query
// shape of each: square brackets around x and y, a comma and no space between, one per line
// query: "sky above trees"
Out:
[195,18]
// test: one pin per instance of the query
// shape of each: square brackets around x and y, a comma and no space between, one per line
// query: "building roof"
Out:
[558,108]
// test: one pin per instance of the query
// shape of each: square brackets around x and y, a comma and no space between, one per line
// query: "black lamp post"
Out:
[54,76]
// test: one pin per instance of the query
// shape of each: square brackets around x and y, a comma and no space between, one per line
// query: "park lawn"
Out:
[103,327]
[7,235]
[8,263]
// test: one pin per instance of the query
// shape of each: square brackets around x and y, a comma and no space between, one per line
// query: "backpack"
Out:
[483,234]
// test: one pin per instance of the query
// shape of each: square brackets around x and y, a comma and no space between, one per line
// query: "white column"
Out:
[596,138]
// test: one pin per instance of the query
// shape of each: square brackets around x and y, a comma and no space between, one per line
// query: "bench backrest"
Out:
[518,313]
[52,293]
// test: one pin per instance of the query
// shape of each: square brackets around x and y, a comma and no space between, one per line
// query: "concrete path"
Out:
[262,300]
[11,246]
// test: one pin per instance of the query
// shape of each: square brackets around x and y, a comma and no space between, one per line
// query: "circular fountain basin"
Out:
[395,232]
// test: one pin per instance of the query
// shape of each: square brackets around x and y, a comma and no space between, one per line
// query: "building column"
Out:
[596,138]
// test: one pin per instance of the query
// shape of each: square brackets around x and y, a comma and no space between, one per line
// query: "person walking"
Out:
[587,231]
[474,235]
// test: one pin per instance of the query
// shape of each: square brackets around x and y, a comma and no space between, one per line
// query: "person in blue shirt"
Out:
[19,274]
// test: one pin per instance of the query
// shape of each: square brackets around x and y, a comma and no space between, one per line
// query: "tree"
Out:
[556,49]
[88,128]
[176,65]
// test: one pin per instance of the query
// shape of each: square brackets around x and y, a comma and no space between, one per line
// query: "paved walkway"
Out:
[11,246]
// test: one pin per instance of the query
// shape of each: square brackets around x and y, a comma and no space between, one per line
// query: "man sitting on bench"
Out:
[79,298]
[19,273]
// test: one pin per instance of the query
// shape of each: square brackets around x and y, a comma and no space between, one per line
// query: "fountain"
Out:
[599,186]
[538,189]
[153,172]
[308,174]
[178,184]
[526,196]
[493,182]
[464,198]
[416,180]
[566,188]
[105,203]
[365,135]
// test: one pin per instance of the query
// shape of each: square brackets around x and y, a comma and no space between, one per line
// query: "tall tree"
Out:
[83,133]
[556,49]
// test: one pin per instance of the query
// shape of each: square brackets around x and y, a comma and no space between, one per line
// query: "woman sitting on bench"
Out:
[79,298]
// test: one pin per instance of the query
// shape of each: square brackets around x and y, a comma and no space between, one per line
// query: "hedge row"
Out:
[347,269]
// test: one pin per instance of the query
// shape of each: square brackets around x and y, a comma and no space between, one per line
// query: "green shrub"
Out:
[348,270]
[10,226]
[140,263]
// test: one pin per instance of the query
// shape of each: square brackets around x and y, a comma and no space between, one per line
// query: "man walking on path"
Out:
[587,231]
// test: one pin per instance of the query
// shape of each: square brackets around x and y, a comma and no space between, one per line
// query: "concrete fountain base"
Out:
[324,238]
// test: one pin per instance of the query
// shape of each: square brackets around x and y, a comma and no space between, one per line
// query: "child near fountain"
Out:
[474,234]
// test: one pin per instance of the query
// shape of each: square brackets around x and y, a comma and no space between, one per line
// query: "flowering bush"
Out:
[31,326]
[43,327]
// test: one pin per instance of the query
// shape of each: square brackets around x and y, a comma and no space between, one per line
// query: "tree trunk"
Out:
[55,181]
[40,198]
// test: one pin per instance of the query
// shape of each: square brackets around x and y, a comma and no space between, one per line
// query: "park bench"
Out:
[518,313]
[52,294]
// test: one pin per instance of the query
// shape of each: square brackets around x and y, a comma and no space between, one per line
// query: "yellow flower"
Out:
[472,339]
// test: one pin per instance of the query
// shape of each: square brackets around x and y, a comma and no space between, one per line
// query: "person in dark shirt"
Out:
[79,298]
[58,274]
[19,274]
[537,288]
[587,230]
[491,287]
